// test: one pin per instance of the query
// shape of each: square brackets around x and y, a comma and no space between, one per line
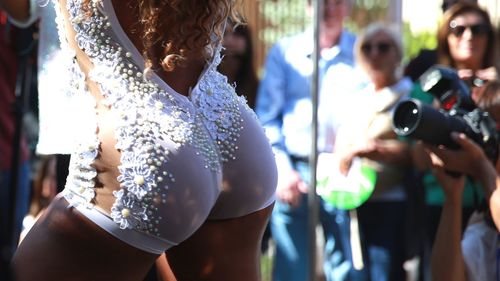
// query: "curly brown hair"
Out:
[188,25]
[183,26]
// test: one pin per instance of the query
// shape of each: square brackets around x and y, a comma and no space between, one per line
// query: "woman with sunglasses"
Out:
[466,42]
[368,138]
[166,160]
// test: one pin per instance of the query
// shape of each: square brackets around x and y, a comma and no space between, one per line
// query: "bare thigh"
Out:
[221,250]
[64,245]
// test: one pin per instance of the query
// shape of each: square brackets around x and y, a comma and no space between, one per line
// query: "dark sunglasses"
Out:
[478,29]
[382,48]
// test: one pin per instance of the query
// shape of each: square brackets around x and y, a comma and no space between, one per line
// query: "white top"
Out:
[480,249]
[183,159]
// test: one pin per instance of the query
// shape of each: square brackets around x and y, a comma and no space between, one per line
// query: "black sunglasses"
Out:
[478,29]
[381,47]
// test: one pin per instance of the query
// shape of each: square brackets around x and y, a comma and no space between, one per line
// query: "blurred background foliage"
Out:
[415,41]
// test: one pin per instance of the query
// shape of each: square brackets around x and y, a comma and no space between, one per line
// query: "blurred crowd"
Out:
[396,207]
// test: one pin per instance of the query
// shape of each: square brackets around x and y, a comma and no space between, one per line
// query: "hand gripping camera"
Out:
[457,112]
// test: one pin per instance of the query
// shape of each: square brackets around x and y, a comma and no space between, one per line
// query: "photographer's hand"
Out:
[453,187]
[464,160]
[471,160]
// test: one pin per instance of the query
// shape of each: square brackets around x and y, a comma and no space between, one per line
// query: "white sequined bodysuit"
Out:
[182,159]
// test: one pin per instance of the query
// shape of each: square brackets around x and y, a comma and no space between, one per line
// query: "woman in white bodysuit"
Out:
[170,158]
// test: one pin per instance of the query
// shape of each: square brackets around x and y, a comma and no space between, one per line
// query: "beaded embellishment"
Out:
[148,114]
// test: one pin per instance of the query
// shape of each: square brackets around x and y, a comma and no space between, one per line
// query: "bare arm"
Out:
[491,182]
[471,160]
[17,9]
[447,262]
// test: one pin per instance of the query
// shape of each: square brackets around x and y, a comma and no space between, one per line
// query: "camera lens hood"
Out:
[415,119]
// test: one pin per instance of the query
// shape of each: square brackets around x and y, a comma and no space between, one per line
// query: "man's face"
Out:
[334,11]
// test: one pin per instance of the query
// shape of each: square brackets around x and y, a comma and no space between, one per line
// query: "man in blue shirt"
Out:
[284,107]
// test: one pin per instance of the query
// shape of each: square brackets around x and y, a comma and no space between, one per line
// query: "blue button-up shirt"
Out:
[284,104]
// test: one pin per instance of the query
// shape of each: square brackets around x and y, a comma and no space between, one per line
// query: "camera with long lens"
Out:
[457,113]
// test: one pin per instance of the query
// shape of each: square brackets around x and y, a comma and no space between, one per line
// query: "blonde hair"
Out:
[373,29]
[379,27]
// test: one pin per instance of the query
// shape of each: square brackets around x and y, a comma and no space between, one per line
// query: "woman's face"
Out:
[234,44]
[379,55]
[467,40]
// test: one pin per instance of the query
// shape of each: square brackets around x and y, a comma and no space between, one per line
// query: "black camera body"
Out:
[457,113]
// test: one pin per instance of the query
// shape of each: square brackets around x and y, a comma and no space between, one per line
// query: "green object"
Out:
[361,183]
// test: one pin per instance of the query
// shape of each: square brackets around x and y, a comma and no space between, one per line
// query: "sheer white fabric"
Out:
[183,159]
